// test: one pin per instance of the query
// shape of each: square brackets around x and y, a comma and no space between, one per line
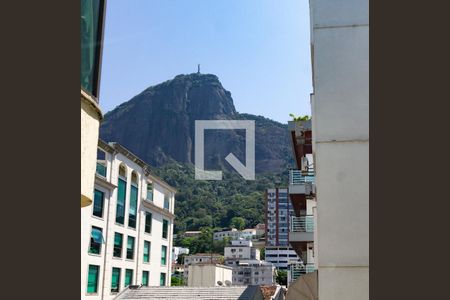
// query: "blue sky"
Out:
[259,49]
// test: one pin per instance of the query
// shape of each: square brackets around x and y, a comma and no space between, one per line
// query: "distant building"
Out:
[126,234]
[200,258]
[235,234]
[191,233]
[281,256]
[247,268]
[278,212]
[176,251]
[260,229]
[206,275]
[241,249]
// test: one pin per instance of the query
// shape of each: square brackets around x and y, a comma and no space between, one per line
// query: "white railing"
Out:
[302,224]
[301,177]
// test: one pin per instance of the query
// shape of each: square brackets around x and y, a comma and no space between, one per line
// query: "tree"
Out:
[177,281]
[238,223]
[262,254]
[281,277]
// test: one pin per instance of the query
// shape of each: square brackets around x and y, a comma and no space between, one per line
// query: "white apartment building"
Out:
[126,234]
[281,256]
[240,250]
[177,251]
[248,269]
[235,234]
[340,130]
[198,259]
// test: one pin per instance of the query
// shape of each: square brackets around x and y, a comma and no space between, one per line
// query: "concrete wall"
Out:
[90,122]
[340,113]
[105,259]
[208,275]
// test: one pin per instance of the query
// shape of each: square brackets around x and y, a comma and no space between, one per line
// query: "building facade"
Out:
[177,251]
[208,275]
[248,269]
[340,130]
[126,234]
[200,258]
[235,234]
[279,211]
[92,24]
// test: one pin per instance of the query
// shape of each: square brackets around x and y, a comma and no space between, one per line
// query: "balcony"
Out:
[301,229]
[301,182]
[298,269]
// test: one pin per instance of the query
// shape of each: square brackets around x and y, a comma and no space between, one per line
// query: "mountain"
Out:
[158,125]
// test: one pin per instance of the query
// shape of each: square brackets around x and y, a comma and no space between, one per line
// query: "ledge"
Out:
[91,101]
[156,208]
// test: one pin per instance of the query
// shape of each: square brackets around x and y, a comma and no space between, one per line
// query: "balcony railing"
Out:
[301,177]
[300,269]
[302,224]
[101,169]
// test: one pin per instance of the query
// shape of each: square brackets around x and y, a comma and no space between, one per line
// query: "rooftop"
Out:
[250,292]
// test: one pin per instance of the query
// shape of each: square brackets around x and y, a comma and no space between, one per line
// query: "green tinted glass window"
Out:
[120,208]
[133,207]
[118,242]
[90,36]
[95,246]
[115,280]
[163,255]
[128,277]
[165,229]
[146,251]
[162,279]
[145,276]
[130,247]
[92,279]
[148,222]
[97,209]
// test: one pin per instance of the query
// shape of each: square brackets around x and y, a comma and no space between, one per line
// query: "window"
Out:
[166,201]
[128,277]
[163,255]
[165,229]
[118,242]
[162,279]
[146,251]
[99,198]
[133,206]
[92,279]
[95,247]
[130,247]
[115,280]
[149,191]
[120,207]
[148,222]
[92,12]
[145,278]
[101,163]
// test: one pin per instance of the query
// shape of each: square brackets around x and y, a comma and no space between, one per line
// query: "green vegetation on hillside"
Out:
[200,203]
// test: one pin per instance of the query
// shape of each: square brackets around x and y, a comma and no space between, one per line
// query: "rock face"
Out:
[158,125]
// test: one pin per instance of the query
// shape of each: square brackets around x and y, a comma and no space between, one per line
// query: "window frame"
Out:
[127,271]
[163,256]
[96,281]
[102,205]
[121,244]
[133,186]
[124,180]
[161,277]
[148,252]
[91,239]
[147,277]
[118,280]
[165,222]
[133,247]
[148,214]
